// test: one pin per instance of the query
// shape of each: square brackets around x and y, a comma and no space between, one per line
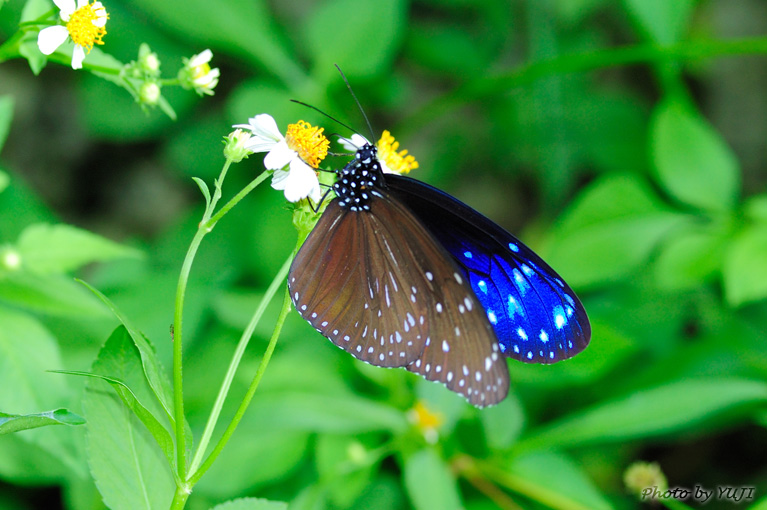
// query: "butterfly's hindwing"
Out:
[379,286]
[536,316]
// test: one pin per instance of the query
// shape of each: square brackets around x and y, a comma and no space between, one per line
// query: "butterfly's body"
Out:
[384,276]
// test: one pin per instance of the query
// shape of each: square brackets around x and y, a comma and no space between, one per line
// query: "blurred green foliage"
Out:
[624,140]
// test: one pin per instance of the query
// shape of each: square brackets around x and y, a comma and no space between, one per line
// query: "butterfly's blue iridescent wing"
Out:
[536,316]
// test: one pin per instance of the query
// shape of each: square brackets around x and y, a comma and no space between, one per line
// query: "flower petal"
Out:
[301,182]
[279,156]
[78,55]
[201,58]
[51,38]
[67,7]
[264,127]
[279,179]
[353,143]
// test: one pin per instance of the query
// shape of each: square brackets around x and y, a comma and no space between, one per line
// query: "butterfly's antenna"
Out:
[323,113]
[348,86]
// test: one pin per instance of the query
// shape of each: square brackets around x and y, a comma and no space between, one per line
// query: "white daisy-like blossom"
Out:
[85,25]
[357,141]
[353,143]
[288,155]
[197,74]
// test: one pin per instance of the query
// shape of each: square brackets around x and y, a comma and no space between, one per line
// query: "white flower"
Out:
[391,160]
[85,24]
[197,74]
[353,143]
[291,173]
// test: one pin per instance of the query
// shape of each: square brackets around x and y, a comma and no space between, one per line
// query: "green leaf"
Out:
[343,464]
[151,364]
[341,414]
[118,348]
[429,482]
[5,180]
[6,116]
[611,230]
[28,48]
[755,208]
[16,422]
[246,29]
[689,258]
[51,294]
[503,423]
[672,408]
[284,448]
[693,162]
[341,44]
[129,469]
[532,475]
[661,21]
[251,504]
[204,189]
[27,352]
[745,271]
[48,248]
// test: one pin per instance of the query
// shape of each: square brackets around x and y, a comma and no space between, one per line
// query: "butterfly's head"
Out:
[358,179]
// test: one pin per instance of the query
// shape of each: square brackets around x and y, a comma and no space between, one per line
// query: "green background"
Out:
[622,140]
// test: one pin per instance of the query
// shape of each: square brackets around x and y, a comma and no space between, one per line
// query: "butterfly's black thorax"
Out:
[357,182]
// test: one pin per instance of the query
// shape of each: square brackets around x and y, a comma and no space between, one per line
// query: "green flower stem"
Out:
[10,48]
[278,280]
[466,467]
[520,485]
[286,305]
[205,227]
[64,59]
[492,86]
[179,498]
[239,196]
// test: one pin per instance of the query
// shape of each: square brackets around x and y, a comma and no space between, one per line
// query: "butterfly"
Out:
[401,274]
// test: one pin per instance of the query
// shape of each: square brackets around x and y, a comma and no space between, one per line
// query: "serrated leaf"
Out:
[532,476]
[610,230]
[341,45]
[662,21]
[152,423]
[16,422]
[429,482]
[251,504]
[671,408]
[6,116]
[151,364]
[745,271]
[692,161]
[204,189]
[46,248]
[128,467]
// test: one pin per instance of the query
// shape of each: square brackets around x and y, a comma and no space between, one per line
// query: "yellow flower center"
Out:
[81,28]
[309,142]
[423,418]
[398,162]
[200,71]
